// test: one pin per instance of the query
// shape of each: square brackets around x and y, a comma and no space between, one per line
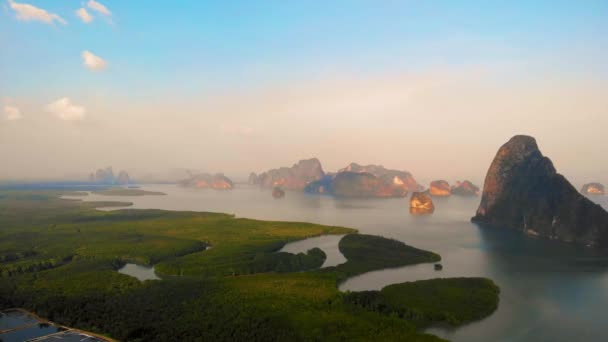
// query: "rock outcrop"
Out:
[365,181]
[593,189]
[208,181]
[253,179]
[440,188]
[353,184]
[103,176]
[106,177]
[123,178]
[278,192]
[421,203]
[465,188]
[523,191]
[395,178]
[292,178]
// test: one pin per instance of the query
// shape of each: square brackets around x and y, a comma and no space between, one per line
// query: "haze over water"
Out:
[550,291]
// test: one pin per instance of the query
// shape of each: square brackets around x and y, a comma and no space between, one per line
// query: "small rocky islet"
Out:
[593,189]
[465,188]
[440,188]
[421,203]
[208,181]
[278,192]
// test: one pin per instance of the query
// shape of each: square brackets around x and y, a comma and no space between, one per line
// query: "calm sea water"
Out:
[550,291]
[138,271]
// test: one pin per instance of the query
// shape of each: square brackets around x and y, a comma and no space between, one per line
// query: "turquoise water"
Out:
[550,291]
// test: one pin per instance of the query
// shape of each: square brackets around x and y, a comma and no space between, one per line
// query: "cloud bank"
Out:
[27,12]
[93,61]
[96,6]
[12,113]
[65,110]
[84,15]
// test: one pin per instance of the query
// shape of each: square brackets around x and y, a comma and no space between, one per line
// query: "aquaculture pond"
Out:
[19,325]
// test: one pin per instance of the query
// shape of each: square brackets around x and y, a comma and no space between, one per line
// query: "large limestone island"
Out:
[523,191]
[365,181]
[290,178]
[208,181]
[465,188]
[106,177]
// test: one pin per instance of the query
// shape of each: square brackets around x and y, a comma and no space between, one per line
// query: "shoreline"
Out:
[41,320]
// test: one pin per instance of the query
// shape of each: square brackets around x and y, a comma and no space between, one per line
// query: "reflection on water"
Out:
[17,326]
[327,243]
[549,291]
[12,319]
[138,271]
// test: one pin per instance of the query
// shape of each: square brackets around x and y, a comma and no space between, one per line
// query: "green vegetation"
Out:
[453,301]
[127,192]
[59,258]
[287,262]
[366,253]
[76,193]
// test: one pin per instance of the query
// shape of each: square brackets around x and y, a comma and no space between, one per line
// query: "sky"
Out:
[432,87]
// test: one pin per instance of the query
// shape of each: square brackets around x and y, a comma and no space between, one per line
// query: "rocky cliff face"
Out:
[523,191]
[353,184]
[292,178]
[421,203]
[365,181]
[208,181]
[593,189]
[465,188]
[440,188]
[396,179]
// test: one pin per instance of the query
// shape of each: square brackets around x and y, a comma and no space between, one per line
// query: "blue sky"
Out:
[219,43]
[244,70]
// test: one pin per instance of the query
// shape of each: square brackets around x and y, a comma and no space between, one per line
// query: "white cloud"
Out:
[92,61]
[96,6]
[12,113]
[84,15]
[27,12]
[64,109]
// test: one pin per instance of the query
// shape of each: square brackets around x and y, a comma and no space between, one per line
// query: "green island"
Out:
[366,253]
[127,192]
[59,259]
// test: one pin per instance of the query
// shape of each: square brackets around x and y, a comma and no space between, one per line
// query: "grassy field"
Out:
[58,258]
